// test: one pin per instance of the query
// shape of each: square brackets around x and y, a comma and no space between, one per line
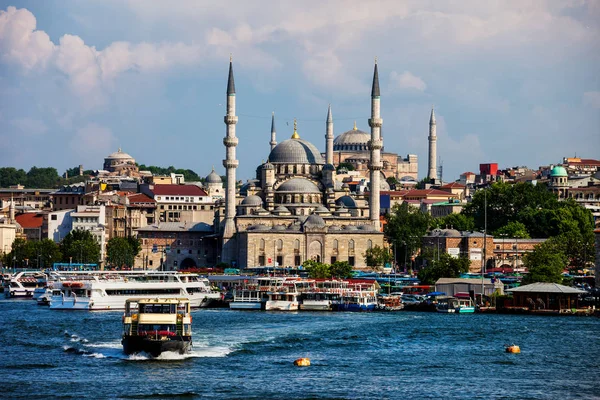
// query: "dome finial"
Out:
[355,126]
[119,150]
[213,168]
[295,135]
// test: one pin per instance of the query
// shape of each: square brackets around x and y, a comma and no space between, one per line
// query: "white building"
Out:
[92,219]
[60,223]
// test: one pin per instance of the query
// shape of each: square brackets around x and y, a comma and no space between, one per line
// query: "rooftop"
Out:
[543,287]
[178,190]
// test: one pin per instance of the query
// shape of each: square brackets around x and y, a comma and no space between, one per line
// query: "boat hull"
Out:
[246,305]
[354,307]
[312,305]
[277,305]
[155,347]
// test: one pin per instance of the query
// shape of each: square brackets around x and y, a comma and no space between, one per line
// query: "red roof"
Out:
[140,198]
[178,190]
[427,192]
[30,220]
[584,161]
[453,185]
[468,173]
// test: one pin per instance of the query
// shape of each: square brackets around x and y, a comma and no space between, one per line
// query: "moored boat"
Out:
[154,326]
[23,284]
[449,304]
[322,296]
[253,295]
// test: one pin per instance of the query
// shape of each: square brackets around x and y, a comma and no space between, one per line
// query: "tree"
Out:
[446,267]
[404,229]
[120,252]
[45,178]
[316,269]
[47,251]
[341,269]
[377,257]
[545,263]
[460,222]
[346,166]
[514,229]
[11,176]
[80,246]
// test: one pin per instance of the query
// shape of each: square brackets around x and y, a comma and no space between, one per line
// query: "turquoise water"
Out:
[64,354]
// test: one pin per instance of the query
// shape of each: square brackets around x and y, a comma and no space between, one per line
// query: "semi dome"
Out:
[346,201]
[295,151]
[213,177]
[252,201]
[558,171]
[314,221]
[298,185]
[353,140]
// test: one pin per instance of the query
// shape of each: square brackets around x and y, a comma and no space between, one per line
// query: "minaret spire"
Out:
[375,145]
[230,163]
[329,137]
[432,170]
[273,141]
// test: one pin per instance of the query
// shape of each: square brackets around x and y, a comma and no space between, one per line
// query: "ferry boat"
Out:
[323,296]
[253,295]
[359,297]
[287,296]
[24,283]
[108,290]
[154,326]
[454,305]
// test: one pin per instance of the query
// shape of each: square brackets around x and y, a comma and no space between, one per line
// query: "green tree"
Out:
[456,221]
[43,178]
[341,269]
[545,263]
[316,269]
[514,229]
[10,176]
[446,267]
[404,229]
[46,252]
[346,166]
[80,246]
[377,257]
[120,252]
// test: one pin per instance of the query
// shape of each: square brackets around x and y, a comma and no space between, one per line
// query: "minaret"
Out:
[273,141]
[11,210]
[375,145]
[432,171]
[230,164]
[329,138]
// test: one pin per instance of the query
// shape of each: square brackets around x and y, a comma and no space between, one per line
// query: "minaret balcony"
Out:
[230,119]
[231,163]
[230,141]
[375,122]
[375,166]
[375,144]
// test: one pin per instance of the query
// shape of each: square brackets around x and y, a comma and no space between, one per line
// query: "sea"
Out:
[49,354]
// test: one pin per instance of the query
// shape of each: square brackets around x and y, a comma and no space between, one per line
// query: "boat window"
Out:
[158,308]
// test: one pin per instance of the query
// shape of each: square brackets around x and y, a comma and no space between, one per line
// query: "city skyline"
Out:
[512,86]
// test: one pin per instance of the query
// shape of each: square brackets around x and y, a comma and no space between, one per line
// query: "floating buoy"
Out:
[513,349]
[302,362]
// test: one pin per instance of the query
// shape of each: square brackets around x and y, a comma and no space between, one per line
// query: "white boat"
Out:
[286,297]
[453,305]
[23,284]
[323,296]
[108,290]
[253,295]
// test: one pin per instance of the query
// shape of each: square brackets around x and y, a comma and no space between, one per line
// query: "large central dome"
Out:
[295,151]
[353,140]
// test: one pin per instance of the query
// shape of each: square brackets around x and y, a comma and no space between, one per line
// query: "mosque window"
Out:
[335,244]
[351,245]
[280,245]
[370,244]
[297,244]
[262,244]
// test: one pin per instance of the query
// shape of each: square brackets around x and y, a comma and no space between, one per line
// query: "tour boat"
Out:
[253,295]
[454,305]
[285,297]
[155,325]
[323,295]
[358,297]
[108,290]
[23,284]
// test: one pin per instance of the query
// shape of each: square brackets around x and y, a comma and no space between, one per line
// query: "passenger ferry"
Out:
[108,290]
[359,297]
[154,326]
[323,296]
[23,284]
[287,296]
[253,295]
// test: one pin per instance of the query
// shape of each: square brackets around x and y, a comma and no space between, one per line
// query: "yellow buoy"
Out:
[302,362]
[513,349]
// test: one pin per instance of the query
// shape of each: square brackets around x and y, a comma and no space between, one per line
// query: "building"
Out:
[60,224]
[178,203]
[580,166]
[93,220]
[296,209]
[33,226]
[120,164]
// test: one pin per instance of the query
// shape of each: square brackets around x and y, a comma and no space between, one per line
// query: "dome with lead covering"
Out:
[353,140]
[346,201]
[213,177]
[295,151]
[314,221]
[252,201]
[298,185]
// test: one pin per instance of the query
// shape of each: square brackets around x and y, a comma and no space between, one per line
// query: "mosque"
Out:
[295,209]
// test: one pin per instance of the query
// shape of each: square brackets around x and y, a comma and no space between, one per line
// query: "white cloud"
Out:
[29,126]
[592,99]
[407,80]
[92,142]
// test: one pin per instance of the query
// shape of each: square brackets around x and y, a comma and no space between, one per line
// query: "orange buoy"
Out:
[302,362]
[513,349]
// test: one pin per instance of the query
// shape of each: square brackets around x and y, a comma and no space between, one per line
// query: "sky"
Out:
[515,83]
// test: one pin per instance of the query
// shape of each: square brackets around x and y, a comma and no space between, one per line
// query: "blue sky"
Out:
[515,83]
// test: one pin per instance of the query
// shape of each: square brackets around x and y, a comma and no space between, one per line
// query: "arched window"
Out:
[335,244]
[370,244]
[280,245]
[262,244]
[351,245]
[297,244]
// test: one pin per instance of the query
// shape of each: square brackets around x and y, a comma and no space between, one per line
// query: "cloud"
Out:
[92,142]
[407,80]
[29,126]
[592,99]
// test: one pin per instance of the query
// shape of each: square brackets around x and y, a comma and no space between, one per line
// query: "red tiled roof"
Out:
[178,190]
[585,161]
[468,173]
[140,198]
[30,220]
[453,185]
[428,192]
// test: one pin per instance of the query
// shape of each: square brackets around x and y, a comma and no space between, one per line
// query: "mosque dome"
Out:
[558,171]
[314,221]
[353,140]
[346,201]
[298,185]
[295,151]
[213,177]
[119,155]
[252,201]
